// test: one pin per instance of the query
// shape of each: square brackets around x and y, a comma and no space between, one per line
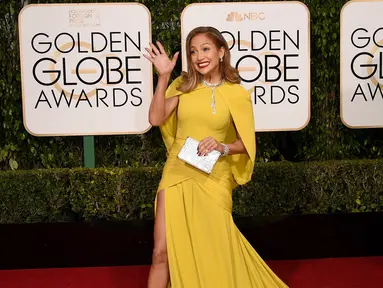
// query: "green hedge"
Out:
[53,195]
[324,138]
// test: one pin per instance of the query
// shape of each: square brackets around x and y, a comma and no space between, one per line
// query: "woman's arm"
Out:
[237,147]
[209,143]
[161,108]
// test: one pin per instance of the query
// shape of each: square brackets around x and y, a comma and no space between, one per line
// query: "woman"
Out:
[196,241]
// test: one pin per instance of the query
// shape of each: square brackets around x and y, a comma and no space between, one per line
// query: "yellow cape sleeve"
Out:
[241,108]
[169,127]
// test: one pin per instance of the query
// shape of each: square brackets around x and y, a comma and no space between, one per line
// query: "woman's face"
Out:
[205,56]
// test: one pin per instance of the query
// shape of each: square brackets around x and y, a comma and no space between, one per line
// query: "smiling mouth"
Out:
[203,64]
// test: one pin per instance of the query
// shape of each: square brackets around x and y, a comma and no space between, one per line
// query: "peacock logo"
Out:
[234,16]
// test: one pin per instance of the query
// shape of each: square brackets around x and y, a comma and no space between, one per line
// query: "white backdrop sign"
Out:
[361,71]
[82,68]
[270,46]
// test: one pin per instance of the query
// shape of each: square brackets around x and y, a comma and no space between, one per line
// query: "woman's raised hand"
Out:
[160,59]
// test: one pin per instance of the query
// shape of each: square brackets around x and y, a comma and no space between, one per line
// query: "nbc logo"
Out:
[235,16]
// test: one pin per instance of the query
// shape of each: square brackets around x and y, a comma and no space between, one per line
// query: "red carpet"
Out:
[322,273]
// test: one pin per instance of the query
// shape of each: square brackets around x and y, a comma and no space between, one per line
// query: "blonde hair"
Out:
[192,77]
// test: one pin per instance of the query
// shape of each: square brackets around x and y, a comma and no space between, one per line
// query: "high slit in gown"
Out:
[205,248]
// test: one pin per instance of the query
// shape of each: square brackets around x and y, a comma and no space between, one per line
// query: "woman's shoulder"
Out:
[237,90]
[177,81]
[173,88]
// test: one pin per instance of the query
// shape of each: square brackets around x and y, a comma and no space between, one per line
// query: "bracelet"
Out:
[226,150]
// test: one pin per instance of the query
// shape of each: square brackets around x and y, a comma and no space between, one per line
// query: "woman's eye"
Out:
[192,52]
[206,49]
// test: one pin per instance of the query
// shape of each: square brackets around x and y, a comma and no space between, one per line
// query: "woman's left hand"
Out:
[207,145]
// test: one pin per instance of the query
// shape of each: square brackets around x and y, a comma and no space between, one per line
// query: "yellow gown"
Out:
[205,248]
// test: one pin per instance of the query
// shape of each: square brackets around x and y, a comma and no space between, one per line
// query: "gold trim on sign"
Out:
[308,49]
[22,67]
[341,65]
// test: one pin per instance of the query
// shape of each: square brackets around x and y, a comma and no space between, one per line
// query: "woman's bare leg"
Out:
[159,271]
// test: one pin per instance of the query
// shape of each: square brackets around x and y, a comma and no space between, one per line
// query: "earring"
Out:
[221,59]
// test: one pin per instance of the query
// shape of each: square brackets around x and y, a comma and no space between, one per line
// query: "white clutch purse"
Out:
[189,154]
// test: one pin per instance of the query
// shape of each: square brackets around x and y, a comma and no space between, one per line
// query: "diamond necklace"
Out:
[212,86]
